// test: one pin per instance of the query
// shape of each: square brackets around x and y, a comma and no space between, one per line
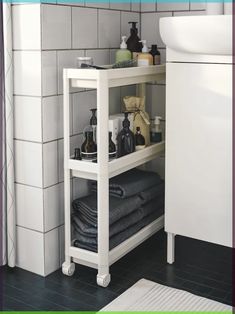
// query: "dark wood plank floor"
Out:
[201,268]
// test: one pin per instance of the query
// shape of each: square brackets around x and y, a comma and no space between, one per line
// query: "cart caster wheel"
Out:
[103,281]
[68,269]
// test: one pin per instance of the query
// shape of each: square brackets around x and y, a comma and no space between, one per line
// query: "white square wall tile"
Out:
[197,5]
[189,13]
[128,17]
[50,164]
[120,5]
[81,188]
[30,250]
[135,6]
[150,28]
[102,5]
[148,7]
[56,27]
[26,26]
[114,100]
[82,103]
[28,163]
[52,251]
[67,59]
[84,28]
[109,29]
[100,57]
[53,207]
[49,73]
[27,73]
[156,99]
[172,6]
[29,207]
[52,118]
[27,118]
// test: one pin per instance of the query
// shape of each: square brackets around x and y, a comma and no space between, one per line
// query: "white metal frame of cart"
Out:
[101,171]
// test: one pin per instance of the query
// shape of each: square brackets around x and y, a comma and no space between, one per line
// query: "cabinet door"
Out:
[199,151]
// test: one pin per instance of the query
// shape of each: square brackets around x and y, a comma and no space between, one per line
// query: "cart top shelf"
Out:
[91,78]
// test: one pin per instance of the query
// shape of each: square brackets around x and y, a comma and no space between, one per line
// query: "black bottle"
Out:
[125,139]
[77,154]
[112,147]
[89,147]
[133,42]
[93,123]
[139,139]
[156,55]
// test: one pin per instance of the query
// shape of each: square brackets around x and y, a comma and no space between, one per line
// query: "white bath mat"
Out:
[146,295]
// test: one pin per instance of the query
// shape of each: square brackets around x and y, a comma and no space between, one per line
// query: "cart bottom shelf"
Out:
[90,259]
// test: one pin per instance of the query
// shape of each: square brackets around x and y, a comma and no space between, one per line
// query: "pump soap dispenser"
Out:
[144,58]
[123,54]
[133,42]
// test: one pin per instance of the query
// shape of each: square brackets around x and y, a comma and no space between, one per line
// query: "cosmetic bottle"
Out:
[144,58]
[93,123]
[89,147]
[123,54]
[133,42]
[155,54]
[77,154]
[125,139]
[156,132]
[112,148]
[139,140]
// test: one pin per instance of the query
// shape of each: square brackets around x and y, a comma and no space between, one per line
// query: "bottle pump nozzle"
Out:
[123,43]
[145,48]
[133,25]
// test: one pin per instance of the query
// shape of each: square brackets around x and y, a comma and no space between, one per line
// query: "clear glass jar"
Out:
[83,62]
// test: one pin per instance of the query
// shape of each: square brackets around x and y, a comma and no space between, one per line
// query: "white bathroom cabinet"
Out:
[198,176]
[101,171]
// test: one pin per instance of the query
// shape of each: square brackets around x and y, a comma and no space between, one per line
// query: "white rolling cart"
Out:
[101,171]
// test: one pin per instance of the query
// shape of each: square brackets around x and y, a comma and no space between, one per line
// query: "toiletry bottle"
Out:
[156,132]
[89,147]
[156,55]
[133,42]
[77,154]
[112,148]
[125,139]
[144,58]
[123,54]
[139,139]
[93,123]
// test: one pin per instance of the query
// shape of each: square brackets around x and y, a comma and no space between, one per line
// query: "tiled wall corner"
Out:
[26,27]
[27,73]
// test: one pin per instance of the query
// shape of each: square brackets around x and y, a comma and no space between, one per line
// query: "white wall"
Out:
[47,38]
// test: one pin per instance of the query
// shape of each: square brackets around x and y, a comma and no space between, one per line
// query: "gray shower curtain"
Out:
[7,194]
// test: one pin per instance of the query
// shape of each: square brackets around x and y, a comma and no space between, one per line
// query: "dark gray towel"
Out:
[153,192]
[90,230]
[91,243]
[118,208]
[131,183]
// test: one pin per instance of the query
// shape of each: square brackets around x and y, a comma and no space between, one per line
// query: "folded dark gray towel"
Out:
[131,183]
[90,229]
[153,192]
[118,208]
[91,243]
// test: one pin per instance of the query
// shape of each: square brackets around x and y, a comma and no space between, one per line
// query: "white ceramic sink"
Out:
[209,34]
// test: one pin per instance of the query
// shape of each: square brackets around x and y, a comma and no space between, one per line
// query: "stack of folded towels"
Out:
[136,198]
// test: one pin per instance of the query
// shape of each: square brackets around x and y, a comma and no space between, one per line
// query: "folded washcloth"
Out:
[131,183]
[118,208]
[87,229]
[91,243]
